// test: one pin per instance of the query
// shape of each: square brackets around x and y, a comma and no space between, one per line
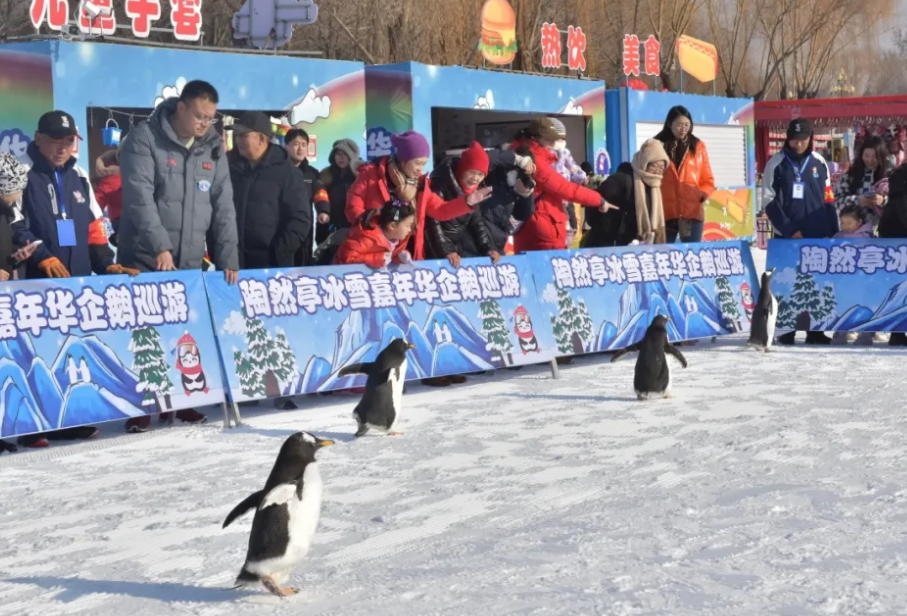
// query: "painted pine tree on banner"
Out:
[787,319]
[287,359]
[829,306]
[150,364]
[250,382]
[730,311]
[264,356]
[586,326]
[566,324]
[805,298]
[494,328]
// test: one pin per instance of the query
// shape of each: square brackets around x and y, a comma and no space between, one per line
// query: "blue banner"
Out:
[289,332]
[82,351]
[840,285]
[603,299]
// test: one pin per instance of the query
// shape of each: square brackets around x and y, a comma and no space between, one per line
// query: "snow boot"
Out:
[4,447]
[564,361]
[898,339]
[191,416]
[32,441]
[437,381]
[864,339]
[817,338]
[137,425]
[456,379]
[285,404]
[73,434]
[840,338]
[881,337]
[789,338]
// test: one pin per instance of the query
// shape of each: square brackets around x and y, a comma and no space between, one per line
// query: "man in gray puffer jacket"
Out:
[176,189]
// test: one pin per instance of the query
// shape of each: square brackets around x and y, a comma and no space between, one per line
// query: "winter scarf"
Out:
[650,217]
[406,189]
[106,164]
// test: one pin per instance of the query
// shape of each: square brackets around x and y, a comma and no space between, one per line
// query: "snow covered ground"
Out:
[772,484]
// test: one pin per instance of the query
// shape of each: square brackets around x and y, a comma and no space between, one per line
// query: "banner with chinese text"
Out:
[604,299]
[87,350]
[289,332]
[840,285]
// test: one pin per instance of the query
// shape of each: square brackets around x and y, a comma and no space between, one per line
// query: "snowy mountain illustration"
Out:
[87,383]
[446,343]
[890,316]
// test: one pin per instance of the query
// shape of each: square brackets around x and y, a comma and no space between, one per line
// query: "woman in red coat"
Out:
[547,229]
[400,176]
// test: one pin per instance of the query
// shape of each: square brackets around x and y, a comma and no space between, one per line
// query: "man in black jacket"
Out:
[296,144]
[273,211]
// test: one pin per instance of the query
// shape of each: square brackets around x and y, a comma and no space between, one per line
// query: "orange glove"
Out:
[52,268]
[119,269]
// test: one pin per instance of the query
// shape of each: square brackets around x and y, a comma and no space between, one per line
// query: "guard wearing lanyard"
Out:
[66,229]
[799,187]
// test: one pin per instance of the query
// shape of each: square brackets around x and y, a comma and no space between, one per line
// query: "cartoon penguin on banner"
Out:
[286,515]
[747,300]
[524,331]
[189,363]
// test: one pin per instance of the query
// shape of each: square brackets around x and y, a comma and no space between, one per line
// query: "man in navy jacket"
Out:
[59,208]
[798,199]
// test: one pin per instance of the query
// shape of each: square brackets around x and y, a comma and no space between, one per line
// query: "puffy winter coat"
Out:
[684,190]
[109,187]
[337,182]
[319,200]
[614,227]
[894,216]
[814,216]
[273,209]
[370,192]
[368,245]
[174,197]
[48,194]
[546,229]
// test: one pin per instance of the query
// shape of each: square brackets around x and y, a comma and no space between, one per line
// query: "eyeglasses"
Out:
[204,119]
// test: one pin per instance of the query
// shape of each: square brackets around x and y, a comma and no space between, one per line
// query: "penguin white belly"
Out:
[770,325]
[303,520]
[397,379]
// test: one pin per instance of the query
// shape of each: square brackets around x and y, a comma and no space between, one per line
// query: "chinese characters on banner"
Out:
[584,271]
[91,311]
[285,296]
[853,259]
[649,62]
[185,16]
[551,47]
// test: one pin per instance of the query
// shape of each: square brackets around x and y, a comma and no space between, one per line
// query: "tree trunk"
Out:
[272,386]
[167,402]
[803,321]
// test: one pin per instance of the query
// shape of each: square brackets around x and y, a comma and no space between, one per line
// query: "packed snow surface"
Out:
[771,484]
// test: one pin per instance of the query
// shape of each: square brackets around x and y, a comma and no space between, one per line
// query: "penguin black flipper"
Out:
[669,348]
[622,352]
[356,369]
[253,500]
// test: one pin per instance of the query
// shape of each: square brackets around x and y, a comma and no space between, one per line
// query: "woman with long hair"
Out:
[688,181]
[856,187]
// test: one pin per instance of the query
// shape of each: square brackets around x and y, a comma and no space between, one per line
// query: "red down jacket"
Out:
[547,228]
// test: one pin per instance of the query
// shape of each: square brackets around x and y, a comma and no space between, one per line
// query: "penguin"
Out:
[383,398]
[653,376]
[765,315]
[286,515]
[189,363]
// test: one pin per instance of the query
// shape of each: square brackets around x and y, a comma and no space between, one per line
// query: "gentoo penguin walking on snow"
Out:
[383,398]
[287,512]
[765,315]
[653,376]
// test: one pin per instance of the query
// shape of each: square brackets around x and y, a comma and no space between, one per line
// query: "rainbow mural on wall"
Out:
[26,92]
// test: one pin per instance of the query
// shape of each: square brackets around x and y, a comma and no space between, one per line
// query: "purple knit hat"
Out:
[410,145]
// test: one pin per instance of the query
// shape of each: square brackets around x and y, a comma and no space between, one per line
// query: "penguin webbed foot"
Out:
[395,434]
[275,589]
[362,431]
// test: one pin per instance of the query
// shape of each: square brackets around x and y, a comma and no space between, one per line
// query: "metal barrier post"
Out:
[555,371]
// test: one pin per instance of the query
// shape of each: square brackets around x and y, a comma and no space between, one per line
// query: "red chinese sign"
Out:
[56,12]
[143,13]
[97,16]
[104,23]
[551,47]
[653,56]
[633,62]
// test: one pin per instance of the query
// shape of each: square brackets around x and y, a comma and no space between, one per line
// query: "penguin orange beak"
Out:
[325,443]
[411,346]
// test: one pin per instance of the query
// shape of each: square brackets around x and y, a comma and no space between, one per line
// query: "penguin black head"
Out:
[660,322]
[302,446]
[399,346]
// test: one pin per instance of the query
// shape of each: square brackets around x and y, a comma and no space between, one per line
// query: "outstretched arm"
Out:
[677,354]
[622,352]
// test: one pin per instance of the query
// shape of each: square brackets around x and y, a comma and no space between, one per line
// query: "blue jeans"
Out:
[672,230]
